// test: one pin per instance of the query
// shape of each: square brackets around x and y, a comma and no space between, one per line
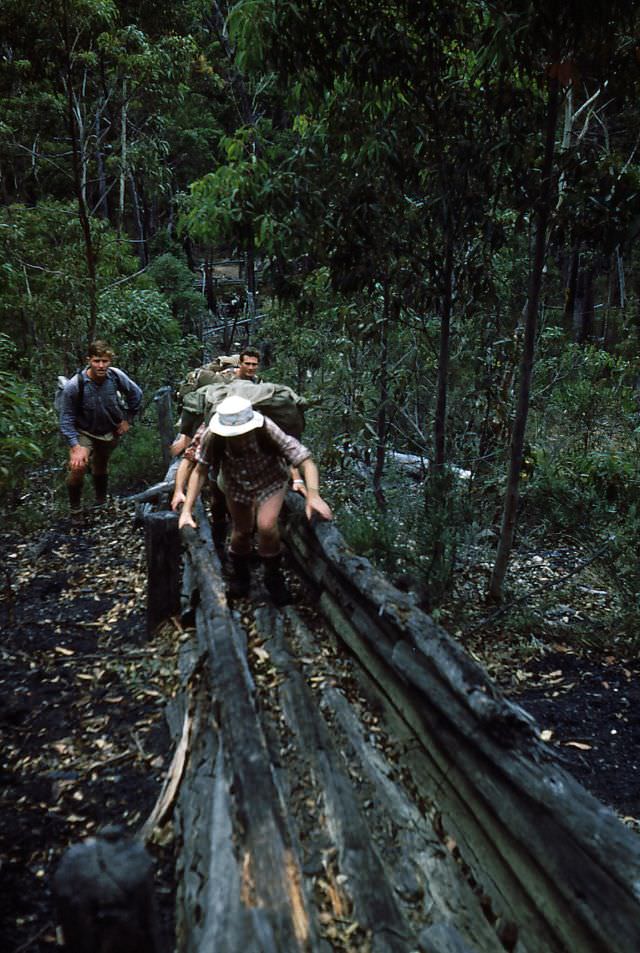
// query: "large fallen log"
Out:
[295,831]
[277,850]
[241,883]
[554,860]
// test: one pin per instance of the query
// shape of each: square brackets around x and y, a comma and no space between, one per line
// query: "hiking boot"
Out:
[75,504]
[77,518]
[274,581]
[240,578]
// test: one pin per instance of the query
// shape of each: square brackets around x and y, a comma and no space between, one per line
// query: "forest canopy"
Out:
[435,212]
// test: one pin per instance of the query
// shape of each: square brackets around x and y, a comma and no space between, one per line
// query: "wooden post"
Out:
[103,889]
[165,421]
[162,541]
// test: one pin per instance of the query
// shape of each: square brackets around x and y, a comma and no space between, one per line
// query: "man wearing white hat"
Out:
[253,453]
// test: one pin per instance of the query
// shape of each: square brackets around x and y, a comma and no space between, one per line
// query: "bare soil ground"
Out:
[84,742]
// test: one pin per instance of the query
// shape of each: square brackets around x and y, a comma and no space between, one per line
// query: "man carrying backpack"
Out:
[98,405]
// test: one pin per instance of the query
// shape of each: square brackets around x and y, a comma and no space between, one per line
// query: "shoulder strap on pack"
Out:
[80,388]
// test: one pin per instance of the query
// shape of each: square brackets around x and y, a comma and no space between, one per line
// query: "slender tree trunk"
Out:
[571,287]
[102,204]
[440,423]
[139,216]
[509,515]
[383,400]
[83,212]
[585,311]
[123,157]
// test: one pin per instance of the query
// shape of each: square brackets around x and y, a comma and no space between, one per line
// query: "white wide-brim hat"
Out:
[235,416]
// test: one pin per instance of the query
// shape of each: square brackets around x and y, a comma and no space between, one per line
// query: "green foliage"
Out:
[584,388]
[23,420]
[176,281]
[138,459]
[147,339]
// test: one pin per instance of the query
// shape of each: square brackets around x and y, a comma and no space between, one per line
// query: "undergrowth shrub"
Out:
[137,461]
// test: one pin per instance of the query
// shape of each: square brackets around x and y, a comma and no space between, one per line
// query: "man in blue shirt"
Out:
[98,405]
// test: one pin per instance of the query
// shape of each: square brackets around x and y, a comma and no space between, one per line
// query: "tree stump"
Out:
[103,889]
[162,541]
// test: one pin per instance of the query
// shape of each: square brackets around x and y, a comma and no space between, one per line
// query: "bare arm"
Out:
[180,444]
[183,473]
[297,483]
[315,503]
[196,482]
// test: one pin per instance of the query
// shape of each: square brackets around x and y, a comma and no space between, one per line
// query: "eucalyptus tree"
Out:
[395,184]
[94,110]
[548,44]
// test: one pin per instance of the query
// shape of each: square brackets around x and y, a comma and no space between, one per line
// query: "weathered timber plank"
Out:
[462,813]
[152,492]
[467,725]
[527,794]
[268,910]
[448,897]
[447,890]
[374,902]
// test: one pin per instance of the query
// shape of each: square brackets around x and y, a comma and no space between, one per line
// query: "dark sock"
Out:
[75,495]
[100,481]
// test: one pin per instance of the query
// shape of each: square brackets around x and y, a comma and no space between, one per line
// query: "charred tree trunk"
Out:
[162,543]
[518,432]
[583,319]
[571,287]
[383,399]
[104,895]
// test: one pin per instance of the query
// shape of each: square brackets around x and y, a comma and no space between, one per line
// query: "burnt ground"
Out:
[82,695]
[82,691]
[559,650]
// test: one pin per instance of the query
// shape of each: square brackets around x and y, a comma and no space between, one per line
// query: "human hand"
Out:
[177,499]
[78,457]
[122,427]
[315,504]
[186,519]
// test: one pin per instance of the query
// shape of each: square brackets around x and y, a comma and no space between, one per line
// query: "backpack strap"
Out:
[80,376]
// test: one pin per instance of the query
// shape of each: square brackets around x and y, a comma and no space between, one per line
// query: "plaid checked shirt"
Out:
[252,473]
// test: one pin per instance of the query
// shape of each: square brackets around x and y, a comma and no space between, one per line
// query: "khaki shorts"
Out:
[100,448]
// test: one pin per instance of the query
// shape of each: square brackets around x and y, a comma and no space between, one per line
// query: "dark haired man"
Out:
[248,367]
[92,419]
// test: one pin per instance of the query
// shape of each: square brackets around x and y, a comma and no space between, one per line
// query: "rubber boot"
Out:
[274,581]
[100,482]
[75,503]
[240,578]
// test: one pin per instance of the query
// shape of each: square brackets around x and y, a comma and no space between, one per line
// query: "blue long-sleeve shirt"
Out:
[100,411]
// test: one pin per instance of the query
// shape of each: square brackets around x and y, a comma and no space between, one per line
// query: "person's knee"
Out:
[269,541]
[75,476]
[240,541]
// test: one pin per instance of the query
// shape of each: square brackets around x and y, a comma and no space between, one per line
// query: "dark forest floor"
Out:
[82,693]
